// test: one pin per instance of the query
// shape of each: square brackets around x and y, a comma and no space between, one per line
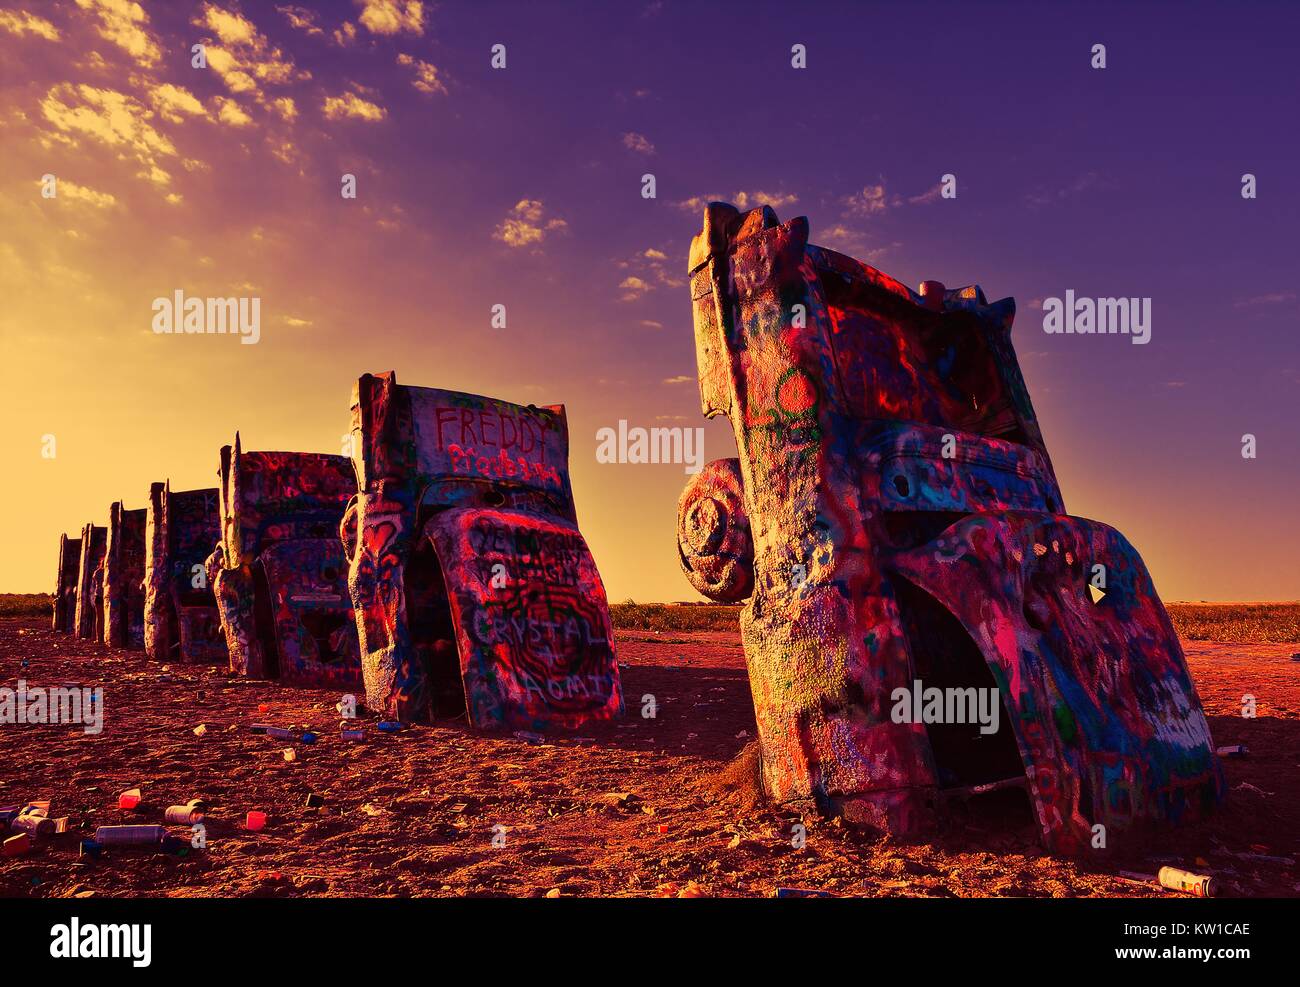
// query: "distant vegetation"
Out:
[26,605]
[1238,623]
[1235,623]
[631,616]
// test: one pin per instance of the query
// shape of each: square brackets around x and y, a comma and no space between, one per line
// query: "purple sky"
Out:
[1116,182]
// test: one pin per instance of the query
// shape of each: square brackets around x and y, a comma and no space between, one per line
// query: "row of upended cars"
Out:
[439,568]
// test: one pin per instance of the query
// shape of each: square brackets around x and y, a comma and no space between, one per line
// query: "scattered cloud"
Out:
[1044,195]
[1272,298]
[391,16]
[20,22]
[175,103]
[123,23]
[243,56]
[525,225]
[72,192]
[350,105]
[638,143]
[868,201]
[741,200]
[230,112]
[111,118]
[345,34]
[285,107]
[301,19]
[426,76]
[680,379]
[644,272]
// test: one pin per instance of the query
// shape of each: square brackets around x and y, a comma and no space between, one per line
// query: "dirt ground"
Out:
[661,806]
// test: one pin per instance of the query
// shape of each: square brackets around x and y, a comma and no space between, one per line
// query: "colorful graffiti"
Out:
[88,617]
[181,621]
[124,553]
[65,588]
[475,592]
[280,573]
[894,517]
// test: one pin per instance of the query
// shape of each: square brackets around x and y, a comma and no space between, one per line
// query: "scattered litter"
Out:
[130,799]
[200,730]
[373,810]
[1137,877]
[129,835]
[315,801]
[16,846]
[1200,885]
[1246,786]
[553,893]
[182,815]
[801,893]
[255,821]
[34,821]
[1233,750]
[353,733]
[460,807]
[308,738]
[290,754]
[532,738]
[388,726]
[89,850]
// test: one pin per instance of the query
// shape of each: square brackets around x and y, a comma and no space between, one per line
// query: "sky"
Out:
[522,186]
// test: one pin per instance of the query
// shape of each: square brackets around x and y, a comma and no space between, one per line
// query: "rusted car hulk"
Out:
[281,578]
[65,589]
[89,612]
[906,527]
[124,578]
[181,620]
[474,590]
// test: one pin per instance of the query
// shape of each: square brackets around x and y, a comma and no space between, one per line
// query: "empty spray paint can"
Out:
[129,835]
[281,733]
[1200,885]
[352,733]
[182,815]
[1235,750]
[33,823]
[388,726]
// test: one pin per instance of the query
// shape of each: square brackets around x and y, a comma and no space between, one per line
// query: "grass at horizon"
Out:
[1235,623]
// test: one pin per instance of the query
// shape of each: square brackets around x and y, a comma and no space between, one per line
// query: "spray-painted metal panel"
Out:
[474,590]
[895,494]
[124,552]
[65,590]
[280,573]
[182,527]
[89,611]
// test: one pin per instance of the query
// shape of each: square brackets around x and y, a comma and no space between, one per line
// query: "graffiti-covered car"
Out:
[475,592]
[89,611]
[124,550]
[65,588]
[181,620]
[896,524]
[281,582]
